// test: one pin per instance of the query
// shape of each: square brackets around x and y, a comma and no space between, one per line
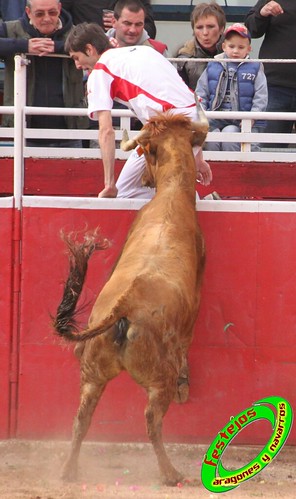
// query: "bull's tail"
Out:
[79,253]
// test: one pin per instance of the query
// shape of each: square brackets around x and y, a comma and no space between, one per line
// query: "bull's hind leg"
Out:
[89,397]
[158,404]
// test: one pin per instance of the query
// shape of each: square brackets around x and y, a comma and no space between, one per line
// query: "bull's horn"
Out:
[201,127]
[200,112]
[128,144]
[197,125]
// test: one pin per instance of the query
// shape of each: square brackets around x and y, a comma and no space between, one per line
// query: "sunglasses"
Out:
[42,13]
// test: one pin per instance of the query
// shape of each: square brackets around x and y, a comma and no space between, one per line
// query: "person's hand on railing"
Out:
[108,192]
[40,46]
[271,9]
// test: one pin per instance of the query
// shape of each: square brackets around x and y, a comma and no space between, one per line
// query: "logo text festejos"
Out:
[214,476]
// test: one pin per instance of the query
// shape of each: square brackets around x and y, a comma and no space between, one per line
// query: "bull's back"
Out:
[159,268]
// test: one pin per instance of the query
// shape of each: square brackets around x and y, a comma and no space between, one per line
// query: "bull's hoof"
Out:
[69,473]
[173,479]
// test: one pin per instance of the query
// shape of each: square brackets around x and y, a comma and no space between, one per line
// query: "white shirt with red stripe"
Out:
[141,79]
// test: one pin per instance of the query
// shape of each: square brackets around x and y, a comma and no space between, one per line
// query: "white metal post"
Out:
[19,103]
[246,126]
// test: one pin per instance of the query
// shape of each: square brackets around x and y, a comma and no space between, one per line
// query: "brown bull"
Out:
[143,319]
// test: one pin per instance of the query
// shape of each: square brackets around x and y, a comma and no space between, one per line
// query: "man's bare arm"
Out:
[107,146]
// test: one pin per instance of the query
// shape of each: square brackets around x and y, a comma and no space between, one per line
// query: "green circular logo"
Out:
[214,476]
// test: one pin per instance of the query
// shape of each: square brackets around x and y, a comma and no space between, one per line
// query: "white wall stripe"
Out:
[6,202]
[243,206]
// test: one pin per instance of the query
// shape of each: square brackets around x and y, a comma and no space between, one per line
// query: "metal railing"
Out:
[13,140]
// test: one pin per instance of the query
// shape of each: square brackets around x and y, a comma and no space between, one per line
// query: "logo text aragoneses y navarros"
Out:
[214,476]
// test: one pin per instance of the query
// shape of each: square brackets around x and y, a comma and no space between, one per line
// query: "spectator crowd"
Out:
[41,29]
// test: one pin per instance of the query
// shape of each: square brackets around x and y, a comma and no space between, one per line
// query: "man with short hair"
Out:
[143,80]
[128,26]
[51,81]
[91,11]
[128,29]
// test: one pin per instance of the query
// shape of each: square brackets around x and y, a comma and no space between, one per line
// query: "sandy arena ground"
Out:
[31,470]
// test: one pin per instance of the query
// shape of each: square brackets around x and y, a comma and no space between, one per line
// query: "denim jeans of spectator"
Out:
[280,99]
[225,126]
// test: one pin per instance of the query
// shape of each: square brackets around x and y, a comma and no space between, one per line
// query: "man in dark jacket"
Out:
[51,81]
[276,21]
[91,11]
[11,9]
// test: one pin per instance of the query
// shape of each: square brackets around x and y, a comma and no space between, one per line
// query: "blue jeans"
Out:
[226,126]
[280,99]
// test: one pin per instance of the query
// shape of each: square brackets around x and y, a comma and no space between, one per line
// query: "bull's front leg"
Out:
[158,404]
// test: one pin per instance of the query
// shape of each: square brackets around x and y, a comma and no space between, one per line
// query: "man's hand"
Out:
[204,174]
[114,42]
[108,18]
[108,192]
[271,9]
[203,170]
[40,46]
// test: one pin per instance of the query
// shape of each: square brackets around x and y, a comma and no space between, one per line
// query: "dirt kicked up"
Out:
[31,470]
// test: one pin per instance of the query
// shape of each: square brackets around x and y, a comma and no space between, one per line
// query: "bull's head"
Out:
[145,147]
[199,128]
[148,139]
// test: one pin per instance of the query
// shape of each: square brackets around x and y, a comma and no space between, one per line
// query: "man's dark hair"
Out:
[132,5]
[84,33]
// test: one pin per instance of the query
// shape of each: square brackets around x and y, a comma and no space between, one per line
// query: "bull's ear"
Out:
[147,180]
[150,155]
[148,177]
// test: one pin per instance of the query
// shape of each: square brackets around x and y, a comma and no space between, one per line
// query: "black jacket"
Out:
[51,81]
[279,41]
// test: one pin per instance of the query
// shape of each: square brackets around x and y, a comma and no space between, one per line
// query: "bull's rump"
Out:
[156,279]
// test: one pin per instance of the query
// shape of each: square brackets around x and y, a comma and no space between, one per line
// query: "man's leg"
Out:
[255,146]
[214,127]
[213,146]
[230,146]
[129,183]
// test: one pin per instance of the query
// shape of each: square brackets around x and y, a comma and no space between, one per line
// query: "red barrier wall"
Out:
[84,177]
[244,347]
[6,238]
